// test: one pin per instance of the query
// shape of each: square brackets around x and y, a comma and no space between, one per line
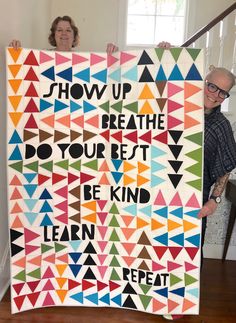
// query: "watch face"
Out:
[218,199]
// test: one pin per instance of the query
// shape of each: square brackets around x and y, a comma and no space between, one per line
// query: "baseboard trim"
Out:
[216,251]
[5,271]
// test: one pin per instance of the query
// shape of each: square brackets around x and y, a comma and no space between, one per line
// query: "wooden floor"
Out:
[218,304]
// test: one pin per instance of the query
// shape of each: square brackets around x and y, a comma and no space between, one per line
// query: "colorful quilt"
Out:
[105,178]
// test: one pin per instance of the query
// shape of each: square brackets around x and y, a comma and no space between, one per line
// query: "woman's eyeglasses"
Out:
[214,88]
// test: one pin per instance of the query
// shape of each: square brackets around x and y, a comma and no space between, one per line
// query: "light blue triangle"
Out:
[74,106]
[195,240]
[175,74]
[31,216]
[79,297]
[93,298]
[161,75]
[155,180]
[179,239]
[88,107]
[116,75]
[156,152]
[15,138]
[30,203]
[30,189]
[16,154]
[101,76]
[49,73]
[46,208]
[117,176]
[162,239]
[105,299]
[117,163]
[131,74]
[162,212]
[147,210]
[155,167]
[194,292]
[30,176]
[178,212]
[75,244]
[58,106]
[132,209]
[66,74]
[44,105]
[46,221]
[84,75]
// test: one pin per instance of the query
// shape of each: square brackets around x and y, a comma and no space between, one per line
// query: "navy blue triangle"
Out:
[193,74]
[49,73]
[66,74]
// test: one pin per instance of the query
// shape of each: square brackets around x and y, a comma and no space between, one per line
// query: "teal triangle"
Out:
[179,239]
[193,214]
[58,105]
[116,75]
[44,105]
[117,163]
[131,74]
[132,209]
[79,297]
[46,221]
[117,176]
[178,212]
[75,244]
[161,75]
[45,195]
[193,74]
[195,240]
[30,176]
[66,74]
[31,216]
[93,298]
[30,189]
[147,210]
[74,106]
[155,167]
[16,154]
[117,300]
[155,180]
[175,75]
[162,212]
[156,152]
[105,299]
[84,75]
[49,73]
[162,239]
[88,107]
[46,208]
[15,138]
[30,203]
[101,76]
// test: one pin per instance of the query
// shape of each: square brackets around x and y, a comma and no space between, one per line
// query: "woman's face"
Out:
[64,35]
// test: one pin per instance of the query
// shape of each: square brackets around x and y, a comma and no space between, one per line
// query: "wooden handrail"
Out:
[204,29]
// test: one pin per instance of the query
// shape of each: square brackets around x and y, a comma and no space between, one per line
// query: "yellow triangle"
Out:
[61,268]
[173,225]
[14,69]
[15,117]
[146,93]
[62,294]
[15,100]
[15,84]
[15,53]
[61,281]
[156,225]
[127,166]
[141,180]
[142,167]
[128,180]
[188,225]
[141,223]
[91,217]
[146,109]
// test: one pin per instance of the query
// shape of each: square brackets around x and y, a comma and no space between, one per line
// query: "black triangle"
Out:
[175,164]
[175,149]
[175,179]
[15,249]
[89,275]
[129,303]
[15,234]
[175,134]
[129,289]
[90,249]
[145,59]
[146,76]
[89,261]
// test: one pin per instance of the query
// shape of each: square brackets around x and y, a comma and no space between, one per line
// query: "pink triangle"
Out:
[63,218]
[95,59]
[176,201]
[159,199]
[173,89]
[102,270]
[173,122]
[48,273]
[30,235]
[60,59]
[77,59]
[102,216]
[156,266]
[125,57]
[43,57]
[48,285]
[102,258]
[101,204]
[62,191]
[102,245]
[172,106]
[62,206]
[172,265]
[48,301]
[30,248]
[102,230]
[189,266]
[111,60]
[193,202]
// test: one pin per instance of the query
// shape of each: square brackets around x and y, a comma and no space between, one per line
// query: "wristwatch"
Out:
[217,199]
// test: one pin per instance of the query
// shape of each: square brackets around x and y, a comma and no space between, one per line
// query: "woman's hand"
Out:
[15,44]
[208,209]
[111,48]
[164,44]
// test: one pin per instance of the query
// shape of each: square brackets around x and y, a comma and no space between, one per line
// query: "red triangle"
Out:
[106,135]
[18,287]
[57,178]
[86,285]
[33,285]
[31,123]
[162,137]
[31,59]
[133,136]
[19,301]
[147,137]
[72,284]
[31,106]
[31,91]
[101,285]
[113,285]
[31,76]
[192,251]
[72,178]
[33,297]
[160,251]
[85,178]
[42,179]
[175,251]
[117,136]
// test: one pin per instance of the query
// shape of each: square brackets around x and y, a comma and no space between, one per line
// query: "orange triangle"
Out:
[189,122]
[50,120]
[15,53]
[15,117]
[104,167]
[127,166]
[65,121]
[16,209]
[60,269]
[21,262]
[16,195]
[171,305]
[15,100]
[141,223]
[92,205]
[141,180]
[146,109]
[104,180]
[50,259]
[79,121]
[91,217]
[62,294]
[128,232]
[156,225]
[190,89]
[188,225]
[15,84]
[129,247]
[142,167]
[15,181]
[94,121]
[128,180]
[189,107]
[157,306]
[172,225]
[14,69]
[187,305]
[36,261]
[61,281]
[127,219]
[146,93]
[129,260]
[17,223]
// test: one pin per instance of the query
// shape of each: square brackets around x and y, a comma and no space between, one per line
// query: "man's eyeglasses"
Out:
[214,88]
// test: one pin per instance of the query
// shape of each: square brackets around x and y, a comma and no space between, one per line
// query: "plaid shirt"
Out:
[219,149]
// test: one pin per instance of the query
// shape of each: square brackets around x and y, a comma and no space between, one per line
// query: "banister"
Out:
[211,24]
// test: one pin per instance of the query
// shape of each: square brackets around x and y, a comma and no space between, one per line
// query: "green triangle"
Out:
[76,165]
[17,166]
[114,236]
[48,166]
[59,247]
[193,52]
[114,262]
[114,222]
[45,248]
[114,209]
[113,250]
[21,276]
[117,106]
[195,169]
[145,300]
[145,288]
[92,164]
[174,280]
[33,166]
[189,279]
[159,52]
[63,164]
[133,107]
[105,106]
[195,154]
[114,275]
[197,183]
[196,138]
[35,273]
[175,52]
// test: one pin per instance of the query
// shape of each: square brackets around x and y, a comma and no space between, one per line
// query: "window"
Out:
[152,21]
